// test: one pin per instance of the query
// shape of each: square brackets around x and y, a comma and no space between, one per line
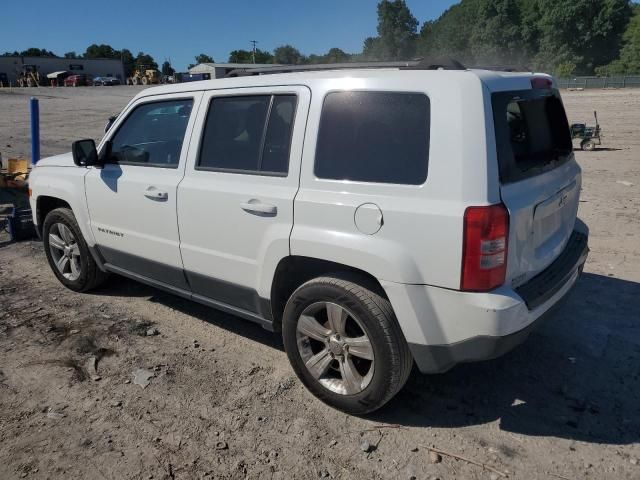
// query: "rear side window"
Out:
[380,137]
[532,133]
[248,134]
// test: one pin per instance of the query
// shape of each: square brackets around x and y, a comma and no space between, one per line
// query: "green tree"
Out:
[496,35]
[546,35]
[584,32]
[146,60]
[202,58]
[372,49]
[629,61]
[397,31]
[449,35]
[565,69]
[101,51]
[37,52]
[128,61]
[240,56]
[288,55]
[246,56]
[167,69]
[335,55]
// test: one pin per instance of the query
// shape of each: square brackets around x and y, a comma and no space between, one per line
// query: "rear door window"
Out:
[248,134]
[532,133]
[380,137]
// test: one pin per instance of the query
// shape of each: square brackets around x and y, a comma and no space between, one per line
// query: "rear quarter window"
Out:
[380,137]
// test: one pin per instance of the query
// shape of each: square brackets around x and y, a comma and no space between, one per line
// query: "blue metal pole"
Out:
[35,131]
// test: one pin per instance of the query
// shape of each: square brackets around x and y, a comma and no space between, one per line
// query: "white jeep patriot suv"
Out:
[378,216]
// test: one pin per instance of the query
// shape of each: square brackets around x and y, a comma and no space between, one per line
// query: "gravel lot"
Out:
[224,403]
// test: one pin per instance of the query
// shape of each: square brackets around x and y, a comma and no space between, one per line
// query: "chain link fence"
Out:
[619,81]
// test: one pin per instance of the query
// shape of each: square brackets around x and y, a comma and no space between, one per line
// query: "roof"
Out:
[308,77]
[28,59]
[55,74]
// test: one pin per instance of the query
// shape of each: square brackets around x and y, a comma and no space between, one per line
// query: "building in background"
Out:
[219,70]
[92,67]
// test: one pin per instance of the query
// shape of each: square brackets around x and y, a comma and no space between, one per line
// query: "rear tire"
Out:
[380,370]
[68,254]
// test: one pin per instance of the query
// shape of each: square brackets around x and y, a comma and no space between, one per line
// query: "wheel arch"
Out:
[294,270]
[46,204]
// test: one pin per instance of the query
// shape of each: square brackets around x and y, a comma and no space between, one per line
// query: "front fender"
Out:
[63,183]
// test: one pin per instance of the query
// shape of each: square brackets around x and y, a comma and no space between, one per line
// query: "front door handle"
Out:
[155,194]
[256,207]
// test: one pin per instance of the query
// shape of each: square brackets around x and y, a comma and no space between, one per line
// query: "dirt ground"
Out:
[224,403]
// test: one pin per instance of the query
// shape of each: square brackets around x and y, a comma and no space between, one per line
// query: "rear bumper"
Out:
[447,327]
[440,358]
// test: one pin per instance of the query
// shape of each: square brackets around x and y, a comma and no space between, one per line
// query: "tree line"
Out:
[565,37]
[129,61]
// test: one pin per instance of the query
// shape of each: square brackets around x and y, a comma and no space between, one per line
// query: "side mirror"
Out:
[84,153]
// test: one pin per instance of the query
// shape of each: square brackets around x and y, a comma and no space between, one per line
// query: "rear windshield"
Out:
[532,133]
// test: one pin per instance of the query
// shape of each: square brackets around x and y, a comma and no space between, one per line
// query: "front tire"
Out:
[68,254]
[344,343]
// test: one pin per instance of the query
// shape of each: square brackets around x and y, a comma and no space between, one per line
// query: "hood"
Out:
[64,160]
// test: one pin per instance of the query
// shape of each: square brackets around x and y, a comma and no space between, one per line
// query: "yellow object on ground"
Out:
[17,165]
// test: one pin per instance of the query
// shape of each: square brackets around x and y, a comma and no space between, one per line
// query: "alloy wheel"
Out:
[335,348]
[65,251]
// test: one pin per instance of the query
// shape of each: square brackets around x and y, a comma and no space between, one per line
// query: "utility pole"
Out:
[253,52]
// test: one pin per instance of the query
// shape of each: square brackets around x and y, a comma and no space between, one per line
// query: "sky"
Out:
[179,30]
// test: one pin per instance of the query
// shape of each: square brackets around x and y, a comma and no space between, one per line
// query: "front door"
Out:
[235,204]
[132,199]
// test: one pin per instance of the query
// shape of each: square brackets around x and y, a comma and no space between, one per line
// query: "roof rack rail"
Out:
[503,68]
[441,64]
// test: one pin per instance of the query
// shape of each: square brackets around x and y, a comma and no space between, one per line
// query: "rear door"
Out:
[235,204]
[540,179]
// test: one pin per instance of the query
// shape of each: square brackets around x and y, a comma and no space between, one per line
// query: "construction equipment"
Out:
[29,76]
[589,136]
[15,216]
[144,75]
[18,222]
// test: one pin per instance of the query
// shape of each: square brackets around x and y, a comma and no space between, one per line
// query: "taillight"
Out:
[541,83]
[484,248]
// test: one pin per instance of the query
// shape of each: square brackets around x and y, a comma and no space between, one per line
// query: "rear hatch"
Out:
[539,178]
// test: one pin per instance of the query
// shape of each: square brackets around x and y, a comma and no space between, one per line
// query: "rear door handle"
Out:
[155,194]
[258,208]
